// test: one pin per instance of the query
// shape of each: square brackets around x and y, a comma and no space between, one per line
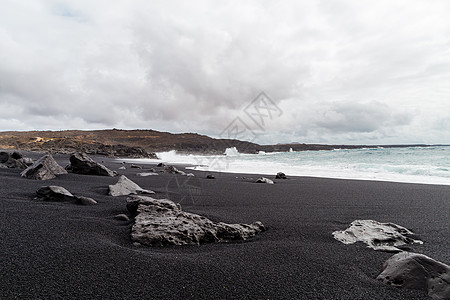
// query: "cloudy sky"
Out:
[338,71]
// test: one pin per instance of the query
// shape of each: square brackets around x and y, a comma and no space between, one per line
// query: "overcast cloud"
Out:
[340,71]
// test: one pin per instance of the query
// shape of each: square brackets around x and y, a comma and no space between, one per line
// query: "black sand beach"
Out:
[66,251]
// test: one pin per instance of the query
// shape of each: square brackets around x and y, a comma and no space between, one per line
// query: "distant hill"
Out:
[117,142]
[150,140]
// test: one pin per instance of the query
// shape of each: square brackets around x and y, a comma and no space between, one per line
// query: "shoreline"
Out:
[69,251]
[192,167]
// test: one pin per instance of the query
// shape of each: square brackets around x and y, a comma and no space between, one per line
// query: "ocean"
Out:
[428,165]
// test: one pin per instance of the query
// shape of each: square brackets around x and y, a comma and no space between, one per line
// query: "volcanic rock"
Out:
[280,175]
[59,194]
[417,271]
[161,222]
[264,180]
[13,160]
[126,187]
[210,176]
[16,155]
[4,156]
[85,200]
[83,164]
[54,193]
[173,170]
[44,168]
[378,236]
[144,174]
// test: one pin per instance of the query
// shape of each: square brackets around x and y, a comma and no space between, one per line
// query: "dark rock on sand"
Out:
[135,167]
[82,164]
[280,175]
[417,271]
[4,156]
[126,187]
[161,222]
[44,168]
[59,194]
[378,236]
[210,176]
[12,161]
[161,165]
[173,170]
[54,193]
[264,180]
[16,155]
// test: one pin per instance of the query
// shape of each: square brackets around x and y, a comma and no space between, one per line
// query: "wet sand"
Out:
[66,251]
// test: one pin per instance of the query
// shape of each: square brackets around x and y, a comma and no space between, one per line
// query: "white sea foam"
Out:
[413,164]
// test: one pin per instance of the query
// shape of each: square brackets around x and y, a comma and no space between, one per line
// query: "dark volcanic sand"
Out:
[67,251]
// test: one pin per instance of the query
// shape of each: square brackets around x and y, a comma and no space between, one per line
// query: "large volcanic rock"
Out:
[81,163]
[126,187]
[417,271]
[161,222]
[378,236]
[44,168]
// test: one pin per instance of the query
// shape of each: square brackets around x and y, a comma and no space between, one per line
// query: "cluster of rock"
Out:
[280,175]
[122,151]
[404,269]
[60,194]
[14,160]
[80,163]
[157,222]
[161,222]
[173,170]
[67,145]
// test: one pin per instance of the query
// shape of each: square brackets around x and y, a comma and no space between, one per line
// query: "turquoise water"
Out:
[412,164]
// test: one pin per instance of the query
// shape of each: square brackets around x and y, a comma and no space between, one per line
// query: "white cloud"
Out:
[341,71]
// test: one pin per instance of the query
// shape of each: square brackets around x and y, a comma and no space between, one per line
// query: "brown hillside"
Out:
[150,140]
[136,143]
